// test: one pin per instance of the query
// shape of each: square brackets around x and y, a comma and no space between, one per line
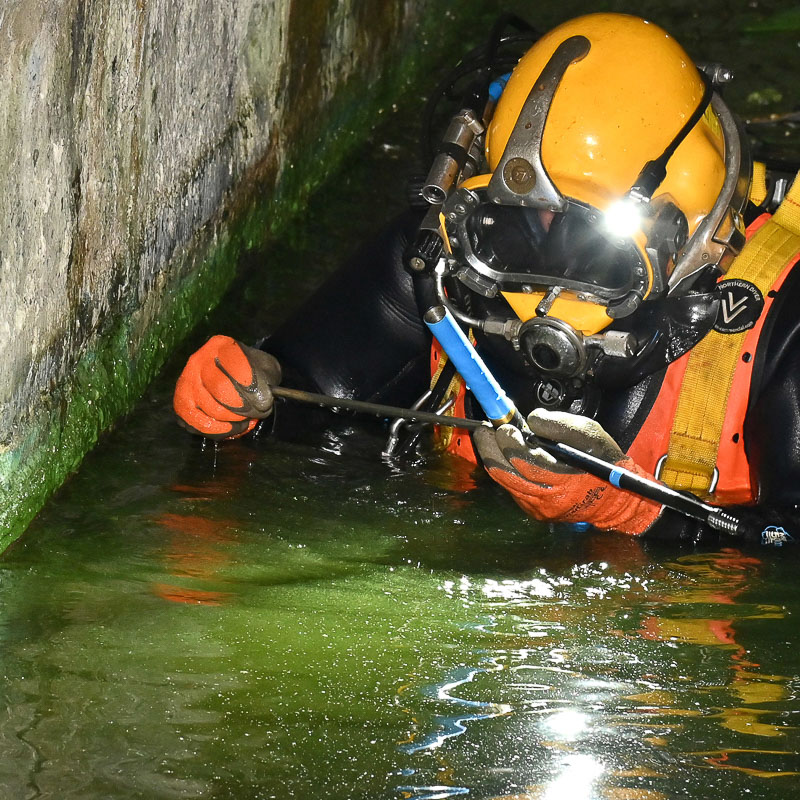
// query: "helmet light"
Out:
[623,218]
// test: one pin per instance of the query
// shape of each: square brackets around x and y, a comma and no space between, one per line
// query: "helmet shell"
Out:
[614,110]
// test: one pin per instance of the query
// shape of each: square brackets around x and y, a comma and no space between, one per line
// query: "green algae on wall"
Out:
[151,230]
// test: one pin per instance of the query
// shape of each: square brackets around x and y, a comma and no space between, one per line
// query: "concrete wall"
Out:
[137,137]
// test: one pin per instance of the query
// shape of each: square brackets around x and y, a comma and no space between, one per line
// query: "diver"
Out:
[594,221]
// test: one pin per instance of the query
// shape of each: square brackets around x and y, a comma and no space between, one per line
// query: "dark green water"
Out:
[273,620]
[280,620]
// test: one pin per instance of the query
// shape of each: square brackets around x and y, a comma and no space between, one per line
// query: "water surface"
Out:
[272,619]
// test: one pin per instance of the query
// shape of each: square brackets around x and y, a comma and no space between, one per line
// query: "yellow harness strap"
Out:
[758,185]
[446,433]
[697,427]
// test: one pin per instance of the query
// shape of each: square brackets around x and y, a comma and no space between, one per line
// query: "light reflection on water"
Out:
[604,694]
[269,620]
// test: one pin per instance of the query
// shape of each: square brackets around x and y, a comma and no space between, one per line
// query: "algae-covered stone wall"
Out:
[146,144]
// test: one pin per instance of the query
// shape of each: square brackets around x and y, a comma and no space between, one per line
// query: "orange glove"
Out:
[551,491]
[224,389]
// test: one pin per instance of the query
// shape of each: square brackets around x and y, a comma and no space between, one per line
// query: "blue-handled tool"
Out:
[499,408]
[496,404]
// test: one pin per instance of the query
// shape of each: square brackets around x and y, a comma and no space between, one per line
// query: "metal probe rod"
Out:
[617,476]
[375,409]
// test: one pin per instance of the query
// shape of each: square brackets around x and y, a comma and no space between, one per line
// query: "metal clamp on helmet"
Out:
[720,236]
[520,177]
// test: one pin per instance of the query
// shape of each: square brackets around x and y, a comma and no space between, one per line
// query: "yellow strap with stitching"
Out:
[758,185]
[697,426]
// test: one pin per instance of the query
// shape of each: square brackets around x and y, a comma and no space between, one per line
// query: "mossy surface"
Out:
[133,345]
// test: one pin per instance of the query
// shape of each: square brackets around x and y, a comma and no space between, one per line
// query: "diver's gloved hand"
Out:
[554,492]
[224,389]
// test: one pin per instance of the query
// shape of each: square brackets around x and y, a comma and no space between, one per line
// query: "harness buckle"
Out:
[660,468]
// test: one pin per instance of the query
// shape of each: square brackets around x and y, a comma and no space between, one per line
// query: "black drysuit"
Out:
[361,336]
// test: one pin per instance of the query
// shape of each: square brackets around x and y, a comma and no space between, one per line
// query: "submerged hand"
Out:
[224,388]
[551,491]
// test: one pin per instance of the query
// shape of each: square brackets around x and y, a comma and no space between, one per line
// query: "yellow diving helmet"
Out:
[612,173]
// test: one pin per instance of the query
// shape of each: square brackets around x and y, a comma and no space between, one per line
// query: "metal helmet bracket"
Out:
[520,178]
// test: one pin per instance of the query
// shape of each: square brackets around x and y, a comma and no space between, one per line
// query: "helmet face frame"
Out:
[502,249]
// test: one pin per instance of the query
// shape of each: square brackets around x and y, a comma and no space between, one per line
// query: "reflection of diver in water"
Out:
[195,545]
[602,232]
[608,679]
[718,581]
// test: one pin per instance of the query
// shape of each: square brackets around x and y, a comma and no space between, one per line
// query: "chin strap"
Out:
[691,461]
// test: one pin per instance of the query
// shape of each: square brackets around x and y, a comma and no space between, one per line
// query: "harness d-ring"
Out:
[660,466]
